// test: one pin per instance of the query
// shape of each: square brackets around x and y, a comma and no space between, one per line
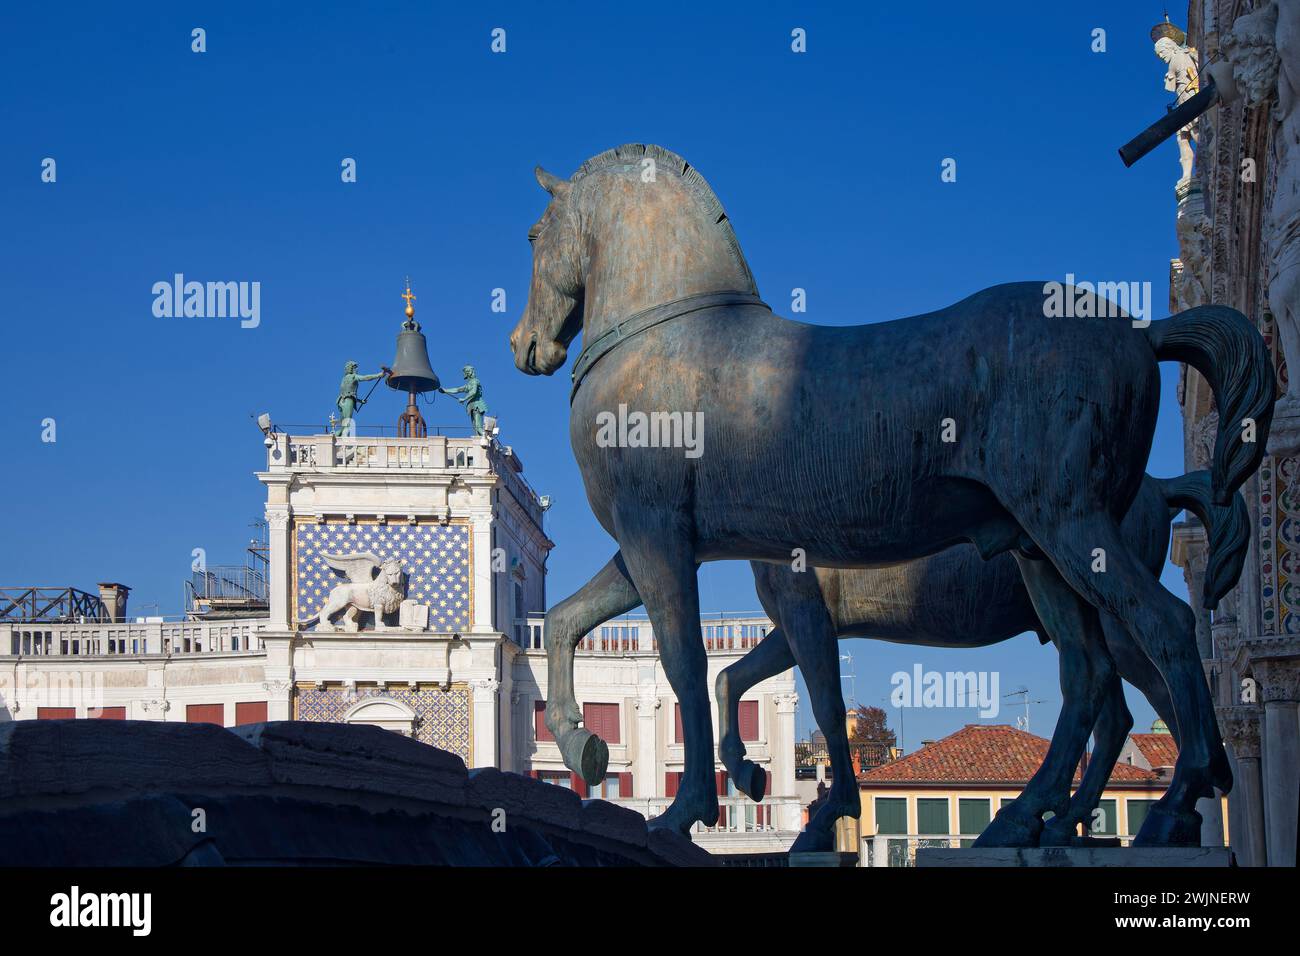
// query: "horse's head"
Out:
[553,314]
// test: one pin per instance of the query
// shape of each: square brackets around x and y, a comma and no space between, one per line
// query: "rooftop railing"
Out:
[634,635]
[130,638]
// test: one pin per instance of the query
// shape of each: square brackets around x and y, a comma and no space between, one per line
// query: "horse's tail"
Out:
[1221,344]
[1227,526]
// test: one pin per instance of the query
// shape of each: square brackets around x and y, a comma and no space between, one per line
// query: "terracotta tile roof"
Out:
[981,753]
[1159,749]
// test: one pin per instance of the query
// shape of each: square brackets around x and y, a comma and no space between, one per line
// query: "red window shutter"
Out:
[749,720]
[206,714]
[109,713]
[536,775]
[56,713]
[670,783]
[602,720]
[250,712]
[539,721]
[625,785]
[677,722]
[722,783]
[579,785]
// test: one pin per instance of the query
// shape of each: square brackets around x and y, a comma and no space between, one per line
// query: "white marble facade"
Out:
[1238,226]
[470,531]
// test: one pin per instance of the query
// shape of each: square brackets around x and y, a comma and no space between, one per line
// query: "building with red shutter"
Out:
[460,665]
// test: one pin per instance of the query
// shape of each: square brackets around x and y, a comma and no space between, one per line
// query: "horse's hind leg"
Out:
[1164,628]
[607,595]
[1085,670]
[812,639]
[771,657]
[1113,724]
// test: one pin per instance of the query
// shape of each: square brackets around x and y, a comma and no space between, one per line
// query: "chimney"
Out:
[114,598]
[926,743]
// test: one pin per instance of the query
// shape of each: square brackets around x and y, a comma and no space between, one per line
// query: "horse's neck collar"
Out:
[623,329]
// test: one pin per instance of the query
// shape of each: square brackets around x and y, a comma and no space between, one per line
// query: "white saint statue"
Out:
[1183,80]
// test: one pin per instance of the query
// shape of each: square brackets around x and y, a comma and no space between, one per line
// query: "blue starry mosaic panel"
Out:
[442,718]
[437,565]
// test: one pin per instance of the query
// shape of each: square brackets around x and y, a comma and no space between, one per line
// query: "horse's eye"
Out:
[534,234]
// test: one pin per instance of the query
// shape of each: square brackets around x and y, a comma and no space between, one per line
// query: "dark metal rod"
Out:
[1171,123]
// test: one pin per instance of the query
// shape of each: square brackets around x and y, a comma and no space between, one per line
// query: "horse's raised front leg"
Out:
[609,594]
[661,562]
[1085,669]
[812,639]
[771,657]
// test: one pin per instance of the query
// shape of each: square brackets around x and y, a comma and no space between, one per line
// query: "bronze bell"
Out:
[411,372]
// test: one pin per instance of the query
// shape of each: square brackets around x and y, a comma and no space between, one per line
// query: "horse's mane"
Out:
[630,155]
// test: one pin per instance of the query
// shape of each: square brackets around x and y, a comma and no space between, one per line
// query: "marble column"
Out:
[279,699]
[484,702]
[644,777]
[484,593]
[1240,725]
[277,520]
[781,747]
[1279,680]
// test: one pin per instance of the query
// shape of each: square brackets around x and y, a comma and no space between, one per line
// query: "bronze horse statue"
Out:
[833,442]
[951,599]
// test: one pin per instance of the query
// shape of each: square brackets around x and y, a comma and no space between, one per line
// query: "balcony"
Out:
[632,635]
[155,638]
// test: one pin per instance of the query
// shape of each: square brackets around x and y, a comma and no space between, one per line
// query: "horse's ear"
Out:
[551,183]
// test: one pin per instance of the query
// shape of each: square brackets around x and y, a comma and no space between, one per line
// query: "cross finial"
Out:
[410,309]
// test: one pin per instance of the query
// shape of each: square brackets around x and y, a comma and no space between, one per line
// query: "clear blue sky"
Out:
[225,166]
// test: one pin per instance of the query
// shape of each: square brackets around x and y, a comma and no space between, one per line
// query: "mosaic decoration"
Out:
[442,718]
[437,565]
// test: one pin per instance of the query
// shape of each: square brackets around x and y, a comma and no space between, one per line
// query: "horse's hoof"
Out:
[814,840]
[585,754]
[752,781]
[1165,827]
[1011,827]
[680,817]
[1059,832]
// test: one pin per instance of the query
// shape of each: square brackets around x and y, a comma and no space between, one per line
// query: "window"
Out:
[932,815]
[972,817]
[891,814]
[108,713]
[891,817]
[540,730]
[561,778]
[1105,819]
[1137,814]
[250,712]
[672,780]
[56,713]
[677,723]
[608,789]
[602,720]
[206,714]
[749,720]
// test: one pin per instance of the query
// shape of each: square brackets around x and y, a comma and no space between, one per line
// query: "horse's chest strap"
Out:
[638,322]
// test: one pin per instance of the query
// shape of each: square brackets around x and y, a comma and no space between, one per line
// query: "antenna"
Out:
[850,677]
[1022,723]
